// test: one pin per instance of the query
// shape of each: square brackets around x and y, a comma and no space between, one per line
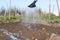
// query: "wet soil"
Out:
[31,31]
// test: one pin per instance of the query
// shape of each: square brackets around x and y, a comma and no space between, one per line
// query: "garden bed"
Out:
[32,31]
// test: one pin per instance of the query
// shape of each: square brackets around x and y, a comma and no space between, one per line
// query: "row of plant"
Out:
[12,18]
[51,18]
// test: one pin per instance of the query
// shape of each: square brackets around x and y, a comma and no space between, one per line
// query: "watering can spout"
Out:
[32,5]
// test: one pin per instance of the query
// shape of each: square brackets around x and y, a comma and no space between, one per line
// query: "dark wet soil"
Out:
[31,31]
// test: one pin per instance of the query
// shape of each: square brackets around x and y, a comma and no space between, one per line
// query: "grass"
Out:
[12,18]
[53,18]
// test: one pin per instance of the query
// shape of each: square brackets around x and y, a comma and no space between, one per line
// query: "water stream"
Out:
[10,35]
[31,15]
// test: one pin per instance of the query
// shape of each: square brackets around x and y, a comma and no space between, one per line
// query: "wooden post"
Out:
[58,7]
[49,8]
[5,15]
[10,10]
